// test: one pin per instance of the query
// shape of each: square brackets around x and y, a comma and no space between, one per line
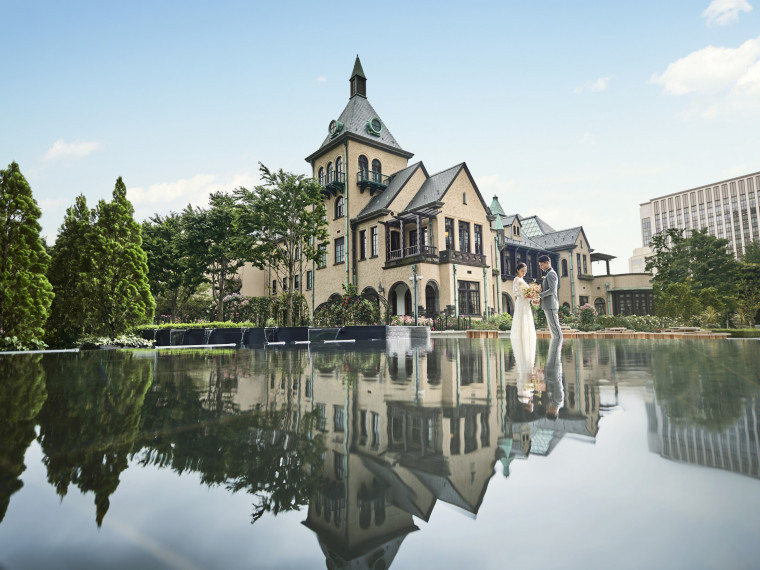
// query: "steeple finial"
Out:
[358,79]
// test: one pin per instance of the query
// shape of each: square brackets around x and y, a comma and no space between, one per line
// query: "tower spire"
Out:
[358,79]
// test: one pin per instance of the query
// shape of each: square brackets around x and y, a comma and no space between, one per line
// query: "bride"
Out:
[523,333]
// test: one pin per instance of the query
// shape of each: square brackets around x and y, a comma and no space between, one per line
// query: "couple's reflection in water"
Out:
[367,441]
[531,379]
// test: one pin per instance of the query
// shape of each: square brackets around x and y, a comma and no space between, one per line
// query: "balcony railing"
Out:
[463,257]
[374,181]
[411,254]
[333,182]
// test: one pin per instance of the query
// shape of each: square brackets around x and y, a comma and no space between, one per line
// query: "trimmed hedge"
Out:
[739,333]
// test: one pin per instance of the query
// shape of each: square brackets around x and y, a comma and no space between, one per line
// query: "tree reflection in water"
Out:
[22,395]
[90,422]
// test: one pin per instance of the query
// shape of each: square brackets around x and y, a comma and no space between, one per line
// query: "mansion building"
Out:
[429,239]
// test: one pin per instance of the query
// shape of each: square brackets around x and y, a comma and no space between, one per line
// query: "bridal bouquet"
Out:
[531,293]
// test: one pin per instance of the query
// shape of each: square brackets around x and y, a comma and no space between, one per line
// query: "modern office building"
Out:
[728,209]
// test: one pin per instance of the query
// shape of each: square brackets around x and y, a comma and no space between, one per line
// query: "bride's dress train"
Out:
[523,338]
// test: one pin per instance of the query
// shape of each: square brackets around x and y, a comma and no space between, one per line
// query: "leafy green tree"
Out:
[25,292]
[702,261]
[283,221]
[214,244]
[752,252]
[173,278]
[676,300]
[70,264]
[748,298]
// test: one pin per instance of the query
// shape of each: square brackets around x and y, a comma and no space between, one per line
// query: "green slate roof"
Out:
[358,68]
[558,240]
[355,116]
[535,226]
[496,208]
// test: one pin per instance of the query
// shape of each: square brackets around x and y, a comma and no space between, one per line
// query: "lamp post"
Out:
[415,278]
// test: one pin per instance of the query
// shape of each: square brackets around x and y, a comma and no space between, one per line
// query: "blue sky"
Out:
[577,111]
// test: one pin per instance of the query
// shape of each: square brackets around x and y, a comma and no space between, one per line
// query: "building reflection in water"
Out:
[412,426]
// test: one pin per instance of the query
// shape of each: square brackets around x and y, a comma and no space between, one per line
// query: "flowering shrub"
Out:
[408,321]
[124,341]
[587,317]
[503,322]
[642,323]
[13,343]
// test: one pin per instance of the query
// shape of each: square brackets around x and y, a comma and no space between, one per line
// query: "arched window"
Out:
[339,207]
[363,167]
[339,165]
[321,176]
[564,268]
[600,306]
[329,172]
[377,170]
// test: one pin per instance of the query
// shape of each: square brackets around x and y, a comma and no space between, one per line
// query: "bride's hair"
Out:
[519,266]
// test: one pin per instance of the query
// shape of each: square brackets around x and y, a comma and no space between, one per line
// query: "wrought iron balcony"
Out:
[463,257]
[374,181]
[333,182]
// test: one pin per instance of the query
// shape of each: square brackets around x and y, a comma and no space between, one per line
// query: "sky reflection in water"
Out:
[432,456]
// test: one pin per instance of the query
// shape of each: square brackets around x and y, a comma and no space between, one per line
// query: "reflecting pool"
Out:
[444,455]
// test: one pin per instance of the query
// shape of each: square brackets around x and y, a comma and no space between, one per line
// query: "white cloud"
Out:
[164,197]
[720,79]
[586,138]
[722,12]
[595,86]
[77,149]
[321,79]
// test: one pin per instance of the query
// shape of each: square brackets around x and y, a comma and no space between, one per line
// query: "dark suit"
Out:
[550,302]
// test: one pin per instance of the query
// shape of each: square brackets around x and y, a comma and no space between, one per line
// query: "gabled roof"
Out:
[355,116]
[435,187]
[535,226]
[508,220]
[558,240]
[380,202]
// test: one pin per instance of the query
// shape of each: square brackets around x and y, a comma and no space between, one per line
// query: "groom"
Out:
[549,297]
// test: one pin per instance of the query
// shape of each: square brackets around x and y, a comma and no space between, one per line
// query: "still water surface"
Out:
[434,456]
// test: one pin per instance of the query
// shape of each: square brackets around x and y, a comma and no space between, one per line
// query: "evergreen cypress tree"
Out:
[117,287]
[70,264]
[25,293]
[99,271]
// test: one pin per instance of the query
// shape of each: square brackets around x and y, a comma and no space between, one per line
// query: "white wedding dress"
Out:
[523,333]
